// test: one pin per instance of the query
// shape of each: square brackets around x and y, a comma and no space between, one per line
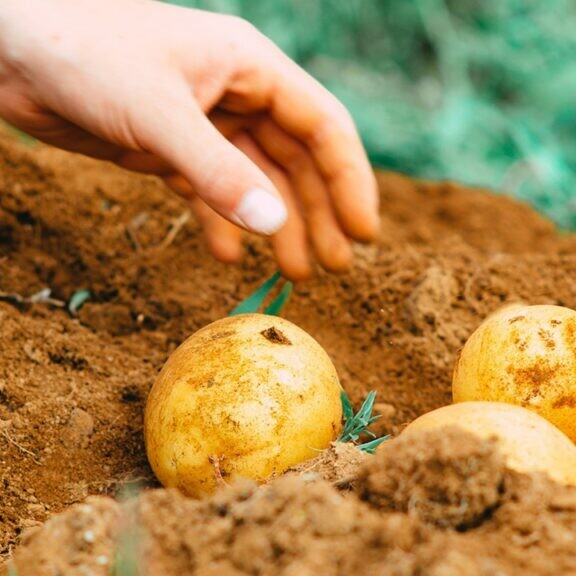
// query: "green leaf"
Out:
[370,447]
[347,410]
[279,302]
[255,300]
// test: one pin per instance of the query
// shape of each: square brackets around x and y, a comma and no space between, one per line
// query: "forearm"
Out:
[31,31]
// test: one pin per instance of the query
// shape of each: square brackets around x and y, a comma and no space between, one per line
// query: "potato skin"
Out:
[254,391]
[524,355]
[528,442]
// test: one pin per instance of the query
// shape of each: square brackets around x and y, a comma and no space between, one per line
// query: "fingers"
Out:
[327,130]
[293,160]
[179,133]
[309,113]
[289,244]
[330,243]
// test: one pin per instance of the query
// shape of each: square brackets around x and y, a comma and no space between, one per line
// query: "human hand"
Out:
[205,102]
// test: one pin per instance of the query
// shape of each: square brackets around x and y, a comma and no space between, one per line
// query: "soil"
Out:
[73,384]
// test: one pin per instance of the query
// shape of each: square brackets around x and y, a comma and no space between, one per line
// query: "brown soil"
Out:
[72,389]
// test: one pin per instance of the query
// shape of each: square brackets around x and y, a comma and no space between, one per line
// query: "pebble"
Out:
[79,428]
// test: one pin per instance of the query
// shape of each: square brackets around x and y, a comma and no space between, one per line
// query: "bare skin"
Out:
[205,102]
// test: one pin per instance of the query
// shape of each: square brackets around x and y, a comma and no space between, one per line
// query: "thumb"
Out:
[226,179]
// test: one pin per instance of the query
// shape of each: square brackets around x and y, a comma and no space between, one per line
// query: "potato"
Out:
[528,442]
[246,396]
[524,355]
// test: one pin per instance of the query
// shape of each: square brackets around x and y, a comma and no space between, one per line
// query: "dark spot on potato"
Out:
[520,343]
[533,379]
[275,336]
[547,338]
[220,334]
[516,319]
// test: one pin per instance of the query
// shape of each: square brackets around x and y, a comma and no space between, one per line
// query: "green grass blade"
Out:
[280,301]
[370,447]
[356,424]
[347,411]
[256,299]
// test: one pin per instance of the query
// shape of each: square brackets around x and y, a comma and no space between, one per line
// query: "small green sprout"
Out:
[356,424]
[256,300]
[77,300]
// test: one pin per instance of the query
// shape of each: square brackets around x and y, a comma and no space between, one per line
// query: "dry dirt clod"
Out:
[446,477]
[79,428]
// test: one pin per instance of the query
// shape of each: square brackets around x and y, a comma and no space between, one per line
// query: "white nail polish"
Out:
[261,211]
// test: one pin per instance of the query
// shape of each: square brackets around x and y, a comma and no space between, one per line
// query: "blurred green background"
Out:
[478,91]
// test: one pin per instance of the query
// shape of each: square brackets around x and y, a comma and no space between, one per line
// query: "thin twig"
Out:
[19,446]
[41,297]
[132,239]
[13,298]
[174,230]
[46,299]
[133,226]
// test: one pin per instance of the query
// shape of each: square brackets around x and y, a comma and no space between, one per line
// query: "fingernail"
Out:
[261,211]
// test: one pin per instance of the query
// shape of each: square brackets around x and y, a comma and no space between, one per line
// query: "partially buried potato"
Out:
[246,396]
[528,442]
[524,355]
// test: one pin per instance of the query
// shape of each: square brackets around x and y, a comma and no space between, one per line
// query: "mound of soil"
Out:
[73,386]
[290,527]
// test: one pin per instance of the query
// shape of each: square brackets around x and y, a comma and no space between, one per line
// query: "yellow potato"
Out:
[528,442]
[246,396]
[524,355]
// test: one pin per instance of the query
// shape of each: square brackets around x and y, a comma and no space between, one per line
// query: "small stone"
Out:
[79,428]
[34,508]
[88,536]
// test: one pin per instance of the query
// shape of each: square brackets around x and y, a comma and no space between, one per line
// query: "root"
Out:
[175,228]
[215,461]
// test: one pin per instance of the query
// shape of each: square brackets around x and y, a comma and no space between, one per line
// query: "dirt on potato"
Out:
[73,385]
